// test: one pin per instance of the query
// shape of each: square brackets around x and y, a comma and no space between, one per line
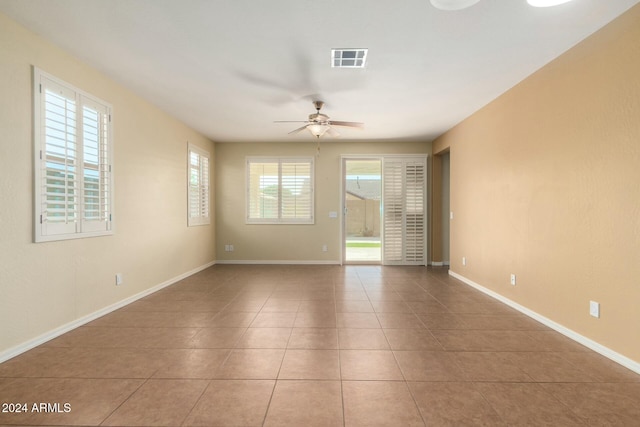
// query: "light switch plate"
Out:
[594,309]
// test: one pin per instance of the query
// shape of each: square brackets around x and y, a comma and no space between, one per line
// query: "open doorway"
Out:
[362,198]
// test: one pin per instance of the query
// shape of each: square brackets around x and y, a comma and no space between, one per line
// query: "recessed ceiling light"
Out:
[546,3]
[348,58]
[453,4]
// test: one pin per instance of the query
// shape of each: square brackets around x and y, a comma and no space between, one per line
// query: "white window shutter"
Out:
[263,190]
[72,174]
[279,190]
[404,210]
[295,190]
[96,172]
[392,200]
[198,187]
[59,184]
[415,213]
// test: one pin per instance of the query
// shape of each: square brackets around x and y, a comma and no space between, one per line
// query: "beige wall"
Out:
[292,243]
[47,285]
[545,184]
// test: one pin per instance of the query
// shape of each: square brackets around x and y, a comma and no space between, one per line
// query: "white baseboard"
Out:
[275,262]
[587,342]
[54,333]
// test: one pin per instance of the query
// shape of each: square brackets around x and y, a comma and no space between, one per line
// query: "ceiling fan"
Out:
[320,124]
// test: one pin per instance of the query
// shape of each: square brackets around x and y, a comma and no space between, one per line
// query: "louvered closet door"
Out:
[404,209]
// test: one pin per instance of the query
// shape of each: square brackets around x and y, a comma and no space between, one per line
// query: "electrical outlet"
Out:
[226,248]
[594,309]
[513,279]
[118,279]
[324,248]
[451,215]
[230,248]
[464,260]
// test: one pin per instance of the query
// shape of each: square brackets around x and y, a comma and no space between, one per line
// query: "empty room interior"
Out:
[356,213]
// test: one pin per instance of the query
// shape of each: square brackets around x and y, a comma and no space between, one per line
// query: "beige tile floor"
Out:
[318,345]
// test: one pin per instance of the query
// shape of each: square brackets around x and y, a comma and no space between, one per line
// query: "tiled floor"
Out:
[317,345]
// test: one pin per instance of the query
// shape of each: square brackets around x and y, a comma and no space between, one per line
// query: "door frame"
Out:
[342,192]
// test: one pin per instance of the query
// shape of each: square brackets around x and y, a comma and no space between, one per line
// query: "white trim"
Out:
[436,263]
[276,262]
[54,333]
[587,342]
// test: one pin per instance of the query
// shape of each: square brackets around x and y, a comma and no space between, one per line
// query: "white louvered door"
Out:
[404,210]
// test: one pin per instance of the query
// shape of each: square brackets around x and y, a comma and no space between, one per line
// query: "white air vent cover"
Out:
[348,58]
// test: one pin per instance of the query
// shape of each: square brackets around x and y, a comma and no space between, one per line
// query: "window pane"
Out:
[198,205]
[91,147]
[296,190]
[263,190]
[60,159]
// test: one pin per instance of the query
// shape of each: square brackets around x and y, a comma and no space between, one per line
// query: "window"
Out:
[198,186]
[73,152]
[280,190]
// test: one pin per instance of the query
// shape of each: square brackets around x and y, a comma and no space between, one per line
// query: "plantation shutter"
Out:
[263,190]
[392,211]
[96,170]
[415,212]
[279,190]
[295,190]
[198,187]
[59,201]
[73,178]
[404,210]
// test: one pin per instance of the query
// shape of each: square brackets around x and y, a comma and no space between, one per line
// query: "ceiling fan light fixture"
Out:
[453,4]
[318,129]
[546,3]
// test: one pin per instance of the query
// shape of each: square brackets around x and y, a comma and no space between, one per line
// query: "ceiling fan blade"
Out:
[300,129]
[348,124]
[333,133]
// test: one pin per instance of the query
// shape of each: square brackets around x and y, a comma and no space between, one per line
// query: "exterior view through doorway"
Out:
[362,196]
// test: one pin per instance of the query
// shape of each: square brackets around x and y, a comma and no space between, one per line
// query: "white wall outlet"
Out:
[594,309]
[333,214]
[513,279]
[226,248]
[324,248]
[230,248]
[464,260]
[118,279]
[451,215]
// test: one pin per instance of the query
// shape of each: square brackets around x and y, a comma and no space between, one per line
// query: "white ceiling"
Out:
[229,68]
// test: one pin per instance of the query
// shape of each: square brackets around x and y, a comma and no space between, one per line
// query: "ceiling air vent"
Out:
[348,58]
